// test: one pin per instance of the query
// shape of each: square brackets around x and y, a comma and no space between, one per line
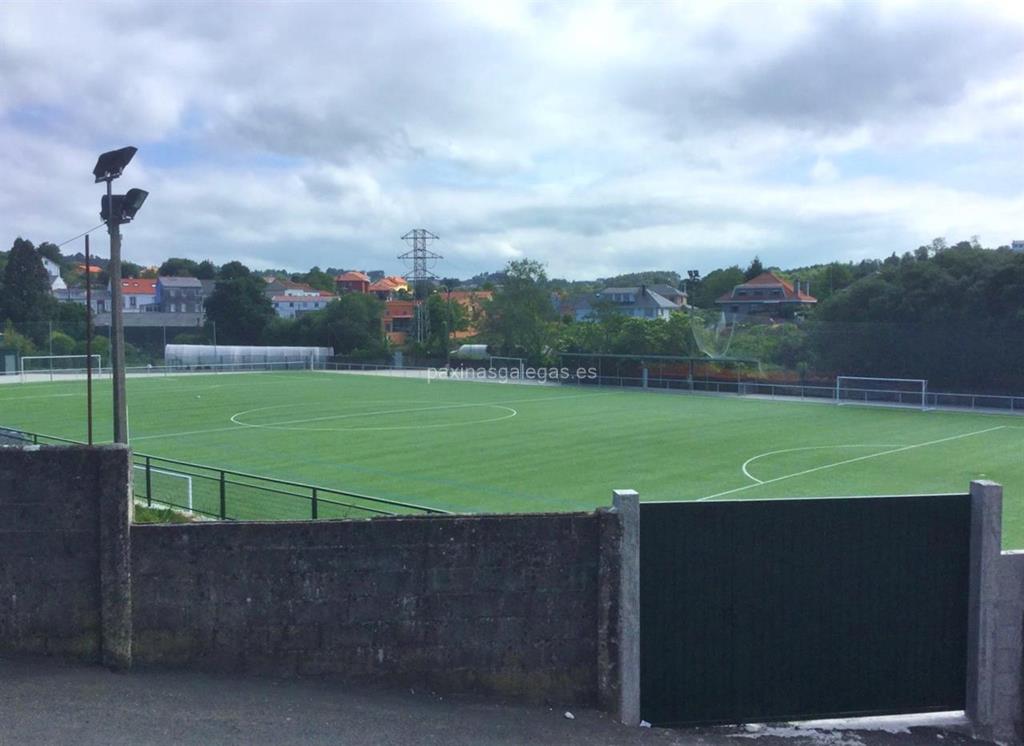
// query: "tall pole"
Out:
[116,323]
[448,335]
[88,341]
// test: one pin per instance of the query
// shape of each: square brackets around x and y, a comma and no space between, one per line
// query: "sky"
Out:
[596,137]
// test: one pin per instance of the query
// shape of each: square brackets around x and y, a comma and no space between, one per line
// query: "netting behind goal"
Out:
[165,489]
[60,363]
[908,392]
[496,362]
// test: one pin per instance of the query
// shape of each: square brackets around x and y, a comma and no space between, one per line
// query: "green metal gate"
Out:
[767,610]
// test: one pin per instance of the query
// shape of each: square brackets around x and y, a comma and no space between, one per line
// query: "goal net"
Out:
[61,364]
[507,363]
[166,489]
[907,392]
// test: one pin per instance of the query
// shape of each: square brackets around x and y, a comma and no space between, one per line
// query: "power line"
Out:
[80,235]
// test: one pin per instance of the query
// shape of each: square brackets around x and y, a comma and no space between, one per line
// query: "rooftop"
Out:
[179,282]
[138,287]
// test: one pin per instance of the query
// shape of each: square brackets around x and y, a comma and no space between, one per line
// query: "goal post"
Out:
[162,487]
[516,363]
[907,392]
[61,364]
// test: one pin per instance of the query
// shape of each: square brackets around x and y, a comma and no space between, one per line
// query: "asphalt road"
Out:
[43,701]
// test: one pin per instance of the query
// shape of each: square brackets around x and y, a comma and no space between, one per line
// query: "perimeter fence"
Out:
[225,494]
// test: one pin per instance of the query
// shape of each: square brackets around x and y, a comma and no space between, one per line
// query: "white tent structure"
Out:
[245,357]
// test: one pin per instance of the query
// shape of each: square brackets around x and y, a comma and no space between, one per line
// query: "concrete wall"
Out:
[995,648]
[1008,705]
[501,604]
[64,521]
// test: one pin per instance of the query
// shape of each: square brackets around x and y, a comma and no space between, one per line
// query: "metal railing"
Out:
[227,494]
[894,397]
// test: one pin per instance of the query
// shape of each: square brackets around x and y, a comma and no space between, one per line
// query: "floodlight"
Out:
[112,163]
[122,206]
[105,209]
[132,202]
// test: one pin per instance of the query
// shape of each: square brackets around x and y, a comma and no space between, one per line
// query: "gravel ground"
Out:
[43,701]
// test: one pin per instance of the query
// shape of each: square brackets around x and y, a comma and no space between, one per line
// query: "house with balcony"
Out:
[398,319]
[766,296]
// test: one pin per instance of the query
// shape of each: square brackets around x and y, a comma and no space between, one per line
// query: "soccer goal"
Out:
[165,488]
[508,363]
[61,364]
[907,392]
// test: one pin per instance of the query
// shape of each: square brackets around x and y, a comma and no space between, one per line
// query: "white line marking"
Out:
[805,448]
[236,424]
[281,425]
[851,461]
[37,396]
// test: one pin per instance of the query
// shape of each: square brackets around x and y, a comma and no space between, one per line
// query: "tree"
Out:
[233,271]
[718,282]
[130,270]
[519,315]
[19,342]
[238,307]
[445,319]
[317,279]
[755,269]
[351,325]
[206,270]
[61,344]
[26,285]
[50,251]
[178,267]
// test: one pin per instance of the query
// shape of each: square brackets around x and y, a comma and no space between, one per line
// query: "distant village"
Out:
[178,301]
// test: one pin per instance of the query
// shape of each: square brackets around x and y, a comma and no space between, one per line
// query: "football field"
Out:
[487,447]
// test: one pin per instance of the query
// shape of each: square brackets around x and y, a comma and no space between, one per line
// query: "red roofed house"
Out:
[138,295]
[352,282]
[387,288]
[765,295]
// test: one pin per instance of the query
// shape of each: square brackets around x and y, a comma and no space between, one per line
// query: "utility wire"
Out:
[80,235]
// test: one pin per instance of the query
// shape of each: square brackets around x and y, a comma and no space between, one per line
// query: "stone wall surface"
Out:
[64,552]
[503,604]
[1008,702]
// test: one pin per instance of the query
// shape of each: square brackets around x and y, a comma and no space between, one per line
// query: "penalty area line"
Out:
[901,449]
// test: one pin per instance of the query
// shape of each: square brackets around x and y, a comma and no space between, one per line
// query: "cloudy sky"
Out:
[597,137]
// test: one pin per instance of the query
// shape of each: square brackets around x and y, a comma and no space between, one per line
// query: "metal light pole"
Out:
[88,339]
[117,209]
[116,323]
[448,334]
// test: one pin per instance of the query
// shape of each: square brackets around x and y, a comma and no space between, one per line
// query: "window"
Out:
[131,301]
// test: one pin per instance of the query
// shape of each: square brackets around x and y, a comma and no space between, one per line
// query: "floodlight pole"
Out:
[88,340]
[116,322]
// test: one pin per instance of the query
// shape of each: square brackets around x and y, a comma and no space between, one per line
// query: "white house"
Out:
[294,304]
[138,295]
[56,281]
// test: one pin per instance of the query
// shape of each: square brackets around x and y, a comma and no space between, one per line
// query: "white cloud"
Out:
[599,137]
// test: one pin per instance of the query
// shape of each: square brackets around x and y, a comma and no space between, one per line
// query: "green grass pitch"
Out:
[488,447]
